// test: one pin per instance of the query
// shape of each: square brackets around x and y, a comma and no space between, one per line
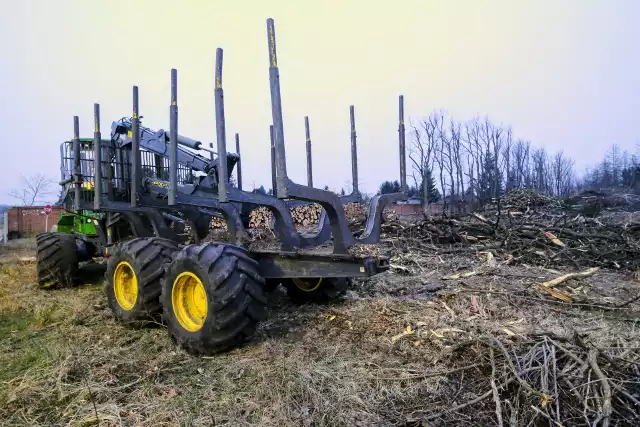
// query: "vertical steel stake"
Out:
[135,150]
[274,181]
[276,111]
[173,137]
[220,131]
[309,161]
[354,151]
[239,165]
[403,158]
[77,178]
[97,158]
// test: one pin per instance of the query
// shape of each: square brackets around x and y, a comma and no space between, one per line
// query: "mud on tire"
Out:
[145,258]
[56,259]
[317,290]
[230,294]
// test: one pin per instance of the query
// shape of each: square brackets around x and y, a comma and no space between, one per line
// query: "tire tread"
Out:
[148,257]
[235,291]
[56,259]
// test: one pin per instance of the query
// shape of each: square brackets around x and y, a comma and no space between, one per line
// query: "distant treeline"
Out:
[478,160]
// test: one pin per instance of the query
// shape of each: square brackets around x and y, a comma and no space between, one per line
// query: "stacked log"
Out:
[260,218]
[304,215]
[356,213]
[307,215]
[217,223]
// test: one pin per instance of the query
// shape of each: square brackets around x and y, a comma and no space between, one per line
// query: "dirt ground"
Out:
[414,346]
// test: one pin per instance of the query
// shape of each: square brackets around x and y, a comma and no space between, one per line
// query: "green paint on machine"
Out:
[82,223]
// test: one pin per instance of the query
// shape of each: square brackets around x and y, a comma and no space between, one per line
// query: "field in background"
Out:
[16,249]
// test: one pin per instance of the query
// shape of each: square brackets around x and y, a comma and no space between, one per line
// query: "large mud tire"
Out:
[317,290]
[56,259]
[133,279]
[213,297]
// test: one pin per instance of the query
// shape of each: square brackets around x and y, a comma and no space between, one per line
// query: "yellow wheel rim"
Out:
[125,285]
[307,285]
[189,300]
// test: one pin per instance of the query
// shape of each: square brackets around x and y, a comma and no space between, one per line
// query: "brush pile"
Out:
[519,313]
[531,229]
[528,199]
[502,360]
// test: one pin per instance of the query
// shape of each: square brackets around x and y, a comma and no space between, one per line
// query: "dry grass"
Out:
[65,361]
[16,249]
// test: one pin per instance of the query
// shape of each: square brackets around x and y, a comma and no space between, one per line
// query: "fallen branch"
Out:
[604,384]
[631,301]
[494,388]
[477,399]
[430,374]
[569,276]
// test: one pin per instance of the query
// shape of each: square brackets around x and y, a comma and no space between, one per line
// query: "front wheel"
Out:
[213,297]
[316,289]
[56,259]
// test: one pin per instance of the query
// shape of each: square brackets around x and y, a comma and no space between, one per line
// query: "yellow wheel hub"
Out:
[307,285]
[125,285]
[189,300]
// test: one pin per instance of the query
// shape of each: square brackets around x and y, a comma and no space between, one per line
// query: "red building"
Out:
[27,221]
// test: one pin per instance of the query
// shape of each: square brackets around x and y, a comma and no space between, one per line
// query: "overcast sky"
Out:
[564,74]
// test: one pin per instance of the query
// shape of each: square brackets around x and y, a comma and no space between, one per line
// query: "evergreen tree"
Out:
[433,194]
[487,183]
[388,187]
[260,190]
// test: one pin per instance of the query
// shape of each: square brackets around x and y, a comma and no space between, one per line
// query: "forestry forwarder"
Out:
[211,294]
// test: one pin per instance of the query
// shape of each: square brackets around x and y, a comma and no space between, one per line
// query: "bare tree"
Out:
[34,190]
[446,161]
[618,168]
[423,150]
[615,162]
[509,172]
[481,159]
[456,132]
[475,157]
[437,118]
[561,174]
[520,154]
[540,168]
[473,183]
[492,136]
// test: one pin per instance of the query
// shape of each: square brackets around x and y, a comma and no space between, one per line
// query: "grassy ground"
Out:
[65,361]
[16,249]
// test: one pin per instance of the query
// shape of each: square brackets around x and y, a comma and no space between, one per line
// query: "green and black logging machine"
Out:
[144,199]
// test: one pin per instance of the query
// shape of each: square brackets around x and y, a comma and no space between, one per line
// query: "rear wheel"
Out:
[316,289]
[134,272]
[212,297]
[56,259]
